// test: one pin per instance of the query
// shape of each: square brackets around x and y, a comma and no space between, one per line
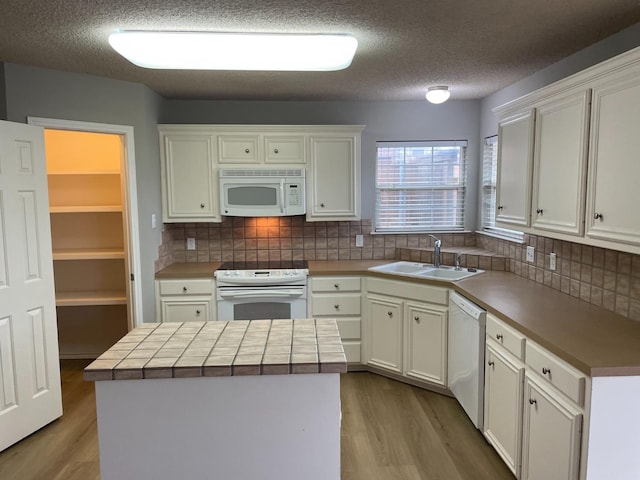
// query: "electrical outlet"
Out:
[359,241]
[191,243]
[552,261]
[153,220]
[531,254]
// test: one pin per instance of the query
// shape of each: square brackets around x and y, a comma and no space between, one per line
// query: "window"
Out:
[489,183]
[420,186]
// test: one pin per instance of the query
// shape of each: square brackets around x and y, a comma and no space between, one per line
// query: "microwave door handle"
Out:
[261,293]
[282,195]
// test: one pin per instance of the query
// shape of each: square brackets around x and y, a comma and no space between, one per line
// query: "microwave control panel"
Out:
[294,198]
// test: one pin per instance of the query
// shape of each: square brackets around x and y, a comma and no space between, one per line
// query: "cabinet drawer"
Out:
[335,284]
[562,376]
[349,328]
[281,149]
[346,304]
[186,287]
[238,149]
[197,311]
[506,336]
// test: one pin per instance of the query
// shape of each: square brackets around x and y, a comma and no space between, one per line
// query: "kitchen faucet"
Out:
[436,251]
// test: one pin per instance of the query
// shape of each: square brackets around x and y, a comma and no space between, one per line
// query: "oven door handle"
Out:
[258,293]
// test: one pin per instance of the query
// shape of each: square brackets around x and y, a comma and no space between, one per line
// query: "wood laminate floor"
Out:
[389,431]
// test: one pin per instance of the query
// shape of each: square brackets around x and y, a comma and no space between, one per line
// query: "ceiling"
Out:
[476,47]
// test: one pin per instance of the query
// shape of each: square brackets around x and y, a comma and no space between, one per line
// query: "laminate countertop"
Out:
[222,349]
[590,338]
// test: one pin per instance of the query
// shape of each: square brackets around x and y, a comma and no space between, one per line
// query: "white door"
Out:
[30,394]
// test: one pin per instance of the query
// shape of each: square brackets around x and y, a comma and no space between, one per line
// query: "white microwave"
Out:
[262,192]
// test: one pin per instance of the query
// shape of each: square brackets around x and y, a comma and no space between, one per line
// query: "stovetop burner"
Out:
[268,265]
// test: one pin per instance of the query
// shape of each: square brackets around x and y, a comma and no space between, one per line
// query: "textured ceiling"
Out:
[476,47]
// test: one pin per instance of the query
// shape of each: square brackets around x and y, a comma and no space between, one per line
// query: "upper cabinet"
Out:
[614,160]
[581,135]
[515,153]
[191,156]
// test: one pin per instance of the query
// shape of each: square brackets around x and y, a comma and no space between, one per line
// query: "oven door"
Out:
[262,302]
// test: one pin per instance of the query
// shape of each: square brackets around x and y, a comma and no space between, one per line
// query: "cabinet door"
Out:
[426,342]
[334,183]
[384,335]
[559,166]
[284,149]
[515,158]
[551,436]
[238,149]
[188,179]
[174,310]
[614,169]
[503,406]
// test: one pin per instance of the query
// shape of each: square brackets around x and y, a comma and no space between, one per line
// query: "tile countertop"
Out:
[214,349]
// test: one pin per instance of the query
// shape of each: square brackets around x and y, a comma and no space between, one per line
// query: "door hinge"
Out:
[132,277]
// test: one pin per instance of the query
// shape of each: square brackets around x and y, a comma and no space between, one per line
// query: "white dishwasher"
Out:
[467,326]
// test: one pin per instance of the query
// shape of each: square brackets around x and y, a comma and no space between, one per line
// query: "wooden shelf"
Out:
[83,298]
[85,208]
[88,254]
[83,172]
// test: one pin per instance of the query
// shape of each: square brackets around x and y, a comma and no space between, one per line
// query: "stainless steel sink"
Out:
[425,270]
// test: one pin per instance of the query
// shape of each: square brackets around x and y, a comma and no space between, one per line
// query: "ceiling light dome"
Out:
[439,94]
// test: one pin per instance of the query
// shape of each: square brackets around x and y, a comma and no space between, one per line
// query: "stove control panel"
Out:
[262,276]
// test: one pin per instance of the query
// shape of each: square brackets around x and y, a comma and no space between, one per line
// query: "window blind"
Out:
[420,186]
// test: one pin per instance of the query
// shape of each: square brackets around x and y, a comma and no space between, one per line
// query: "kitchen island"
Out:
[253,399]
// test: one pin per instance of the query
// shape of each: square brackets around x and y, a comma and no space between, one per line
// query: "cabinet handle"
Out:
[390,314]
[322,205]
[197,313]
[275,150]
[337,286]
[539,211]
[337,307]
[490,363]
[546,370]
[499,336]
[532,401]
[246,150]
[202,205]
[184,289]
[500,207]
[417,319]
[598,216]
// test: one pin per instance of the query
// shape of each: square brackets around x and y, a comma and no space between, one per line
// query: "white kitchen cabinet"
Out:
[242,148]
[560,163]
[551,434]
[426,342]
[283,148]
[185,300]
[515,161]
[339,297]
[189,180]
[504,376]
[612,212]
[385,320]
[333,183]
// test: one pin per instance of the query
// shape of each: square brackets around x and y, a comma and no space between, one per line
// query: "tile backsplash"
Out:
[603,277]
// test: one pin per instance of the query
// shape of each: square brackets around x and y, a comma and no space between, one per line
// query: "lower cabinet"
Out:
[406,329]
[185,300]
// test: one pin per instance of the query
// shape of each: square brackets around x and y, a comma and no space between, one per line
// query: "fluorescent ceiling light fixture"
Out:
[439,94]
[235,51]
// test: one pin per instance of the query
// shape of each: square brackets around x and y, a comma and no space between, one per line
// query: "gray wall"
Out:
[415,120]
[3,94]
[38,92]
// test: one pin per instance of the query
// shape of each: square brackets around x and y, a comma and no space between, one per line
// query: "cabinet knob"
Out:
[337,307]
[545,370]
[490,363]
[499,336]
[202,205]
[246,150]
[322,205]
[500,207]
[184,289]
[197,313]
[417,319]
[539,211]
[390,314]
[532,401]
[598,216]
[337,286]
[275,150]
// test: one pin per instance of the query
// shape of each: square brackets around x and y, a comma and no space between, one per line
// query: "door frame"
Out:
[131,194]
